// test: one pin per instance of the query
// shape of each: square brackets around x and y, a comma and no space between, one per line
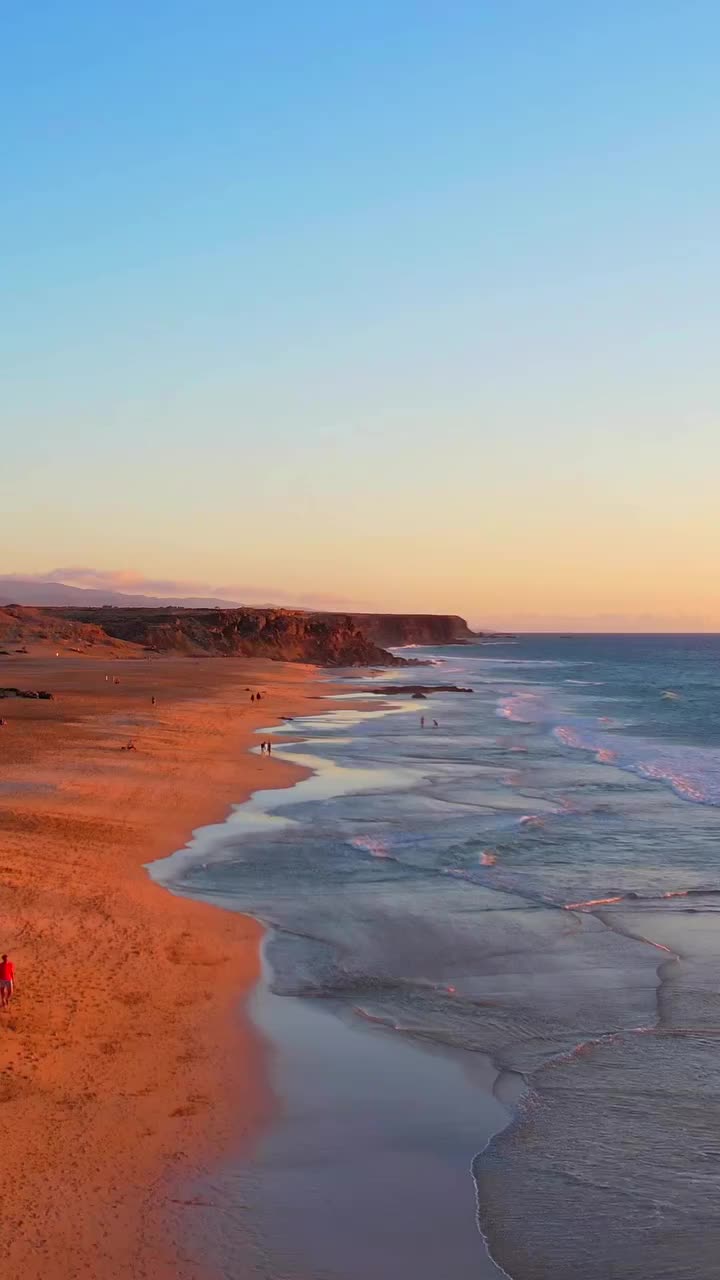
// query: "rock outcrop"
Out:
[12,692]
[417,690]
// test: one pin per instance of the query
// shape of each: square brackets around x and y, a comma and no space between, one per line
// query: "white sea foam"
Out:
[371,844]
[693,773]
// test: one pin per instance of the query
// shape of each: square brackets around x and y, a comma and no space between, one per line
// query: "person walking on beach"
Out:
[269,748]
[252,697]
[422,722]
[7,982]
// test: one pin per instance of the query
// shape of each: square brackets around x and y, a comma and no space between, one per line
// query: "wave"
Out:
[527,707]
[640,899]
[529,662]
[372,845]
[693,773]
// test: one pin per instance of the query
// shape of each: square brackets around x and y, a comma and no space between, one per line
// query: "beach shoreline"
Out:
[294,1204]
[127,1064]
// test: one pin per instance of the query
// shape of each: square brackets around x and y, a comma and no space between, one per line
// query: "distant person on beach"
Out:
[7,982]
[262,748]
[252,697]
[152,700]
[257,698]
[435,724]
[422,722]
[269,748]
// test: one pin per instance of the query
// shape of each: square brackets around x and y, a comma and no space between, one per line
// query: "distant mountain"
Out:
[26,591]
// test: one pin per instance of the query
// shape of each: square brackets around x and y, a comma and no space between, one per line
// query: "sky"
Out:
[398,305]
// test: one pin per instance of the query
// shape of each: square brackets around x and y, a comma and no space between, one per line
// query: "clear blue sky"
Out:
[405,304]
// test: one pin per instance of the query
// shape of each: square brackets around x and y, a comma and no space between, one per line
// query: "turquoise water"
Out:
[534,880]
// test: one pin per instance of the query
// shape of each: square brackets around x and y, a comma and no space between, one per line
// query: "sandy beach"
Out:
[125,1061]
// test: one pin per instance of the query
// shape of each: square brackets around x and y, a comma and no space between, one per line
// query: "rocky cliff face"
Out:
[412,628]
[290,635]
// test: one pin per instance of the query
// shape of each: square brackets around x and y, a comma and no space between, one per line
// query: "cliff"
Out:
[286,634]
[96,604]
[412,628]
[291,635]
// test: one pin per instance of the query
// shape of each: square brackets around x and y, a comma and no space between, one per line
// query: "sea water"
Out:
[535,881]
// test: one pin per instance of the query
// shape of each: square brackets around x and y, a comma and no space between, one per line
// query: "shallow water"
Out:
[535,880]
[366,1169]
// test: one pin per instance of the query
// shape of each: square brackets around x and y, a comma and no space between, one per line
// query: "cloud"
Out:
[128,580]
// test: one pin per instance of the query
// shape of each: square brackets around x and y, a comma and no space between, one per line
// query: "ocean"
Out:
[528,894]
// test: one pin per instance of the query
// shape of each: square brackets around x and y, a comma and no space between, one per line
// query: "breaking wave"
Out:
[692,772]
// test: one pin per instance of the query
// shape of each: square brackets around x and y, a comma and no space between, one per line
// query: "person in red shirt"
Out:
[7,982]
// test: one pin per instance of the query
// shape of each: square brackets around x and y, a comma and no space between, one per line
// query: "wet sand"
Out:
[366,1171]
[126,1066]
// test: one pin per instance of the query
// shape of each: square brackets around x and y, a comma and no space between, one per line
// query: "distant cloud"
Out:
[128,580]
[135,583]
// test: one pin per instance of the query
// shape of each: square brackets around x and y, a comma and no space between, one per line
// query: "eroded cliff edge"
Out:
[290,635]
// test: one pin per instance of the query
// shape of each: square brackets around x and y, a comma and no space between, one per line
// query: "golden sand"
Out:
[123,1058]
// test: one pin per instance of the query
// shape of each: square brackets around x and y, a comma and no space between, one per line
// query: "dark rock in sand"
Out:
[11,692]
